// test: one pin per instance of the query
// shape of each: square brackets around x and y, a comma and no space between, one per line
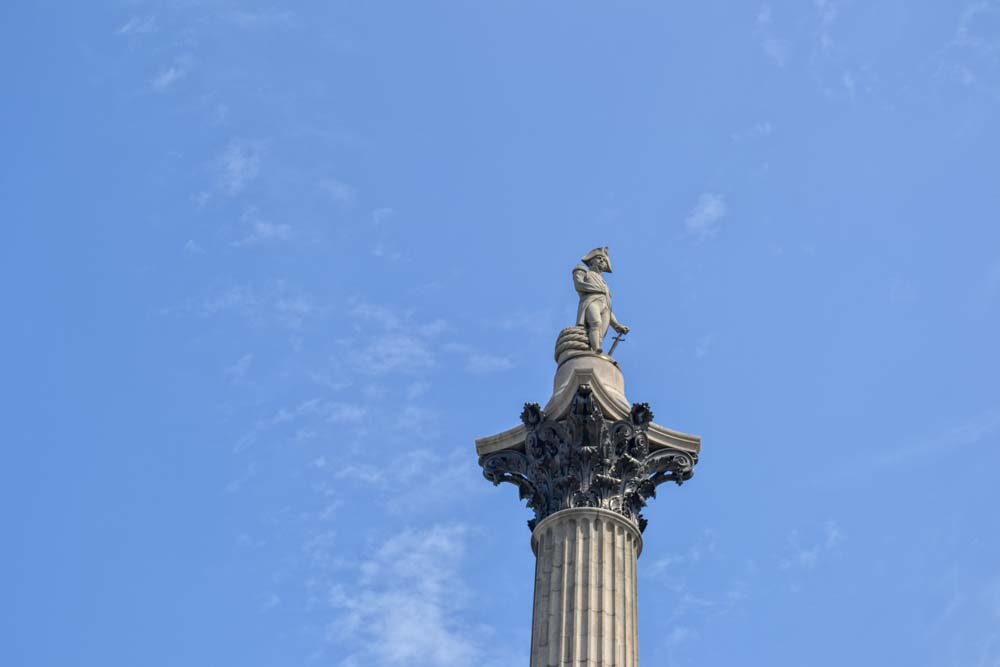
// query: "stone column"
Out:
[587,464]
[585,612]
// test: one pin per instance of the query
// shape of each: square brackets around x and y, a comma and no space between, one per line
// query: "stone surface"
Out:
[586,605]
[572,341]
[583,459]
[594,312]
[587,463]
[603,375]
[597,370]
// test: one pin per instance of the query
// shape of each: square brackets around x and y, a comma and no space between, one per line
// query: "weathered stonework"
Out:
[586,460]
[587,464]
[586,598]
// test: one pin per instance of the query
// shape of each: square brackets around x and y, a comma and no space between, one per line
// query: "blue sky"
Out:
[271,269]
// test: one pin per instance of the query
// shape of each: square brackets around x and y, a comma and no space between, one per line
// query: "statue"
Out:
[594,313]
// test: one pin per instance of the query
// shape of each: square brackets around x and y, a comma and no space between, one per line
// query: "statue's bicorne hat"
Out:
[598,251]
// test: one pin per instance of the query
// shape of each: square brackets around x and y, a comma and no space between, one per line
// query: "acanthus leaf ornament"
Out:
[586,460]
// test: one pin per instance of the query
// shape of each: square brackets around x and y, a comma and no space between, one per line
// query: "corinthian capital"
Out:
[583,459]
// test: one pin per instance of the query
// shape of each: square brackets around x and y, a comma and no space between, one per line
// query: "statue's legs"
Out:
[597,317]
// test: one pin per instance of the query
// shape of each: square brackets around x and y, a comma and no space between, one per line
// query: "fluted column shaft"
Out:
[585,611]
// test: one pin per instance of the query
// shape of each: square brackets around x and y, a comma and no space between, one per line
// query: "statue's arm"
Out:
[616,325]
[584,286]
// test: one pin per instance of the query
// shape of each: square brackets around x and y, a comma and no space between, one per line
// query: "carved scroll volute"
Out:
[670,466]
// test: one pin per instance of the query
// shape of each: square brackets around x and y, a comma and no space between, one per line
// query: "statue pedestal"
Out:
[598,371]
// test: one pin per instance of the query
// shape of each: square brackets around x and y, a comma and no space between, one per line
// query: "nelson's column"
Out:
[587,463]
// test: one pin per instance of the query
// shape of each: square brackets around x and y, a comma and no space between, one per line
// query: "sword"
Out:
[620,338]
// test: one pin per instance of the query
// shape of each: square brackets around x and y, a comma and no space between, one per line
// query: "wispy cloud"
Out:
[346,412]
[382,215]
[402,488]
[305,420]
[417,389]
[537,322]
[192,247]
[837,71]
[417,421]
[704,547]
[395,353]
[291,310]
[167,77]
[305,408]
[269,603]
[482,363]
[237,484]
[277,304]
[974,27]
[478,362]
[764,16]
[975,430]
[237,166]
[704,345]
[394,342]
[331,411]
[972,57]
[384,252]
[676,639]
[705,584]
[759,130]
[408,605]
[341,192]
[366,474]
[235,297]
[826,12]
[378,315]
[138,25]
[678,635]
[776,49]
[705,219]
[804,556]
[261,231]
[384,247]
[238,370]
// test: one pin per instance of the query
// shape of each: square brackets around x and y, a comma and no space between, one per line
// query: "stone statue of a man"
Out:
[594,313]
